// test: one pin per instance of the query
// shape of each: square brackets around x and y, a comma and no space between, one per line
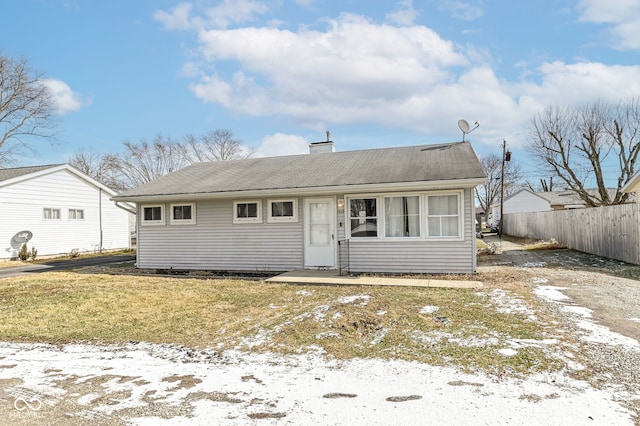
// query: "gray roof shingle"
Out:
[6,174]
[424,163]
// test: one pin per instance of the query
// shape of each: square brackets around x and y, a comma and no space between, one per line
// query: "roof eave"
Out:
[313,191]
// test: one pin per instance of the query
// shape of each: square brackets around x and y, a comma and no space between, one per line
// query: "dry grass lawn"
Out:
[438,326]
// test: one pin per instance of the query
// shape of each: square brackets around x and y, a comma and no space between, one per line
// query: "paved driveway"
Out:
[55,265]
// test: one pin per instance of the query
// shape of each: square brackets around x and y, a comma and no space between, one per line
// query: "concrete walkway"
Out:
[331,277]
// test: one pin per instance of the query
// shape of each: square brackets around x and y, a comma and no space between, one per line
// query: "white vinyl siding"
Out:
[57,190]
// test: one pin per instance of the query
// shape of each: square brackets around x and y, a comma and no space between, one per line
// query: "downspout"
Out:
[100,215]
[128,209]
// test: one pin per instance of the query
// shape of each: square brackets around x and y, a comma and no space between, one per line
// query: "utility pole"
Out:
[506,156]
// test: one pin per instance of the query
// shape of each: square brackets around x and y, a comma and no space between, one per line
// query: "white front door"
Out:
[320,232]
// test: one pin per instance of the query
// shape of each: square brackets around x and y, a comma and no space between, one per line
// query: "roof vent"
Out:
[321,147]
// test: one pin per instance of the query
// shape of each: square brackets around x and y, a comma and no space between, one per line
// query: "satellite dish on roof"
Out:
[464,126]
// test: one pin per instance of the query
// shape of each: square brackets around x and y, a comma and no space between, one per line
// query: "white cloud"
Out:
[178,18]
[405,15]
[281,144]
[356,71]
[305,3]
[350,72]
[622,15]
[64,98]
[220,16]
[462,10]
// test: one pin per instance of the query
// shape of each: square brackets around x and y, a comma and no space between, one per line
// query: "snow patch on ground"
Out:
[591,331]
[534,264]
[295,389]
[429,309]
[352,299]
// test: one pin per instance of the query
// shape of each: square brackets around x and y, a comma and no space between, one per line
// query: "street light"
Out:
[506,156]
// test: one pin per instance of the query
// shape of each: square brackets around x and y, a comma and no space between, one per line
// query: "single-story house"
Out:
[405,209]
[57,209]
[633,187]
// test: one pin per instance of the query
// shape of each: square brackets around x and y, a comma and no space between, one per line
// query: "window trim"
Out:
[160,221]
[52,209]
[424,218]
[460,196]
[257,219]
[174,221]
[74,219]
[347,209]
[276,219]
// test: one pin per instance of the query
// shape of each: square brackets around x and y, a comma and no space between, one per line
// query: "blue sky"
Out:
[279,73]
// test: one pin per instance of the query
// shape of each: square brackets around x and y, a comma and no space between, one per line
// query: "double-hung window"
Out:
[247,212]
[76,214]
[282,211]
[363,217]
[402,216]
[50,214]
[443,216]
[153,215]
[183,214]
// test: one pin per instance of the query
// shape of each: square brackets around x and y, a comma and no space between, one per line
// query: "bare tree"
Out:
[216,145]
[26,109]
[488,193]
[143,161]
[578,144]
[98,167]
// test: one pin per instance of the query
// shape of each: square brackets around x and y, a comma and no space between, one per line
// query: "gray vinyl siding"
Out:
[418,256]
[214,242]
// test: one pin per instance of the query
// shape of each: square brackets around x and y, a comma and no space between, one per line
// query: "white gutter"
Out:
[325,190]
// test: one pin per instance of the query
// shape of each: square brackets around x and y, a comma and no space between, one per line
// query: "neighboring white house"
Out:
[57,209]
[406,209]
[523,201]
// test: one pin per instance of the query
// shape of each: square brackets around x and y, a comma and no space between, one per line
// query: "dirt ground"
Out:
[610,288]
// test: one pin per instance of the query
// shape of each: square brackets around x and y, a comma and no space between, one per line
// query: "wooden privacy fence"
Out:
[609,231]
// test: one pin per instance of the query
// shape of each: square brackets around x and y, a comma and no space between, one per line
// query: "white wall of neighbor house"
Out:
[215,241]
[22,208]
[521,202]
